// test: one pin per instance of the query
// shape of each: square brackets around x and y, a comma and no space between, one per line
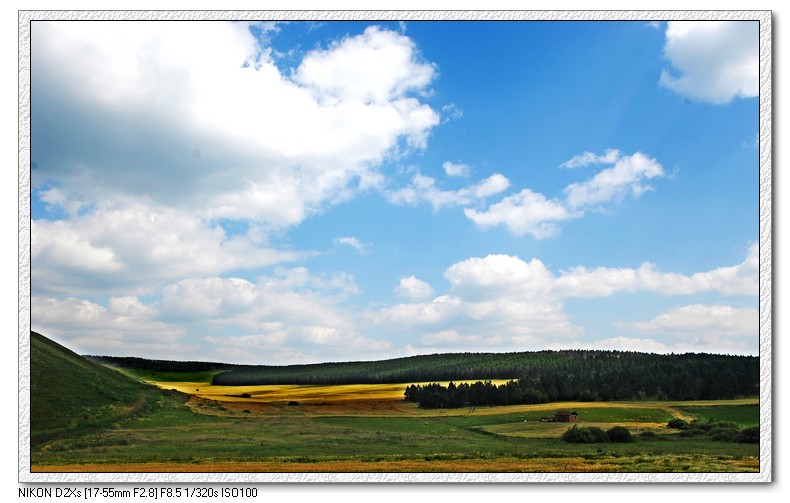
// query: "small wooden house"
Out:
[566,416]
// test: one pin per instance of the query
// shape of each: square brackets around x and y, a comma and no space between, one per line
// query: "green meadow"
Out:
[95,419]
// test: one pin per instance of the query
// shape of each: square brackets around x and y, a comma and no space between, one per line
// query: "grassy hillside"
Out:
[69,393]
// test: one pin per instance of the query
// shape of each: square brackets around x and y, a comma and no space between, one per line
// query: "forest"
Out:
[602,376]
[538,376]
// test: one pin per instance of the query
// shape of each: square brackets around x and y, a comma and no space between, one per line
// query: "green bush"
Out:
[648,435]
[725,424]
[700,425]
[619,434]
[749,436]
[723,434]
[582,435]
[576,435]
[598,435]
[677,423]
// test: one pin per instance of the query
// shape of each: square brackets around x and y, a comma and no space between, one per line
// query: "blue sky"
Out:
[302,192]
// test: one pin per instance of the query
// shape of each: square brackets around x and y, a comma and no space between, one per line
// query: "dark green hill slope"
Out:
[69,393]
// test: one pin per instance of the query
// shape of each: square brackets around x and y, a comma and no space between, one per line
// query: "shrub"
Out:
[723,434]
[691,432]
[578,435]
[589,435]
[699,425]
[619,434]
[748,436]
[725,424]
[598,435]
[677,423]
[648,435]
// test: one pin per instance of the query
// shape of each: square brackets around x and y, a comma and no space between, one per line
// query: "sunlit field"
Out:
[370,428]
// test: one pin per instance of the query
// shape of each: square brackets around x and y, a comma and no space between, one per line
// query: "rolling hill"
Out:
[69,393]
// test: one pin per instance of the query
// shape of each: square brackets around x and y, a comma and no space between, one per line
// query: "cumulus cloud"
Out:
[165,111]
[377,66]
[506,303]
[496,301]
[413,288]
[740,279]
[125,326]
[137,248]
[453,169]
[698,320]
[712,61]
[292,313]
[532,213]
[524,213]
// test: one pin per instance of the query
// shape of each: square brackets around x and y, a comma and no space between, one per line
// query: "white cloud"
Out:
[451,112]
[741,279]
[413,288]
[55,199]
[505,303]
[124,327]
[717,345]
[160,112]
[585,159]
[533,213]
[712,61]
[423,188]
[137,248]
[293,312]
[524,213]
[499,275]
[377,66]
[701,321]
[453,169]
[291,298]
[496,302]
[352,242]
[615,183]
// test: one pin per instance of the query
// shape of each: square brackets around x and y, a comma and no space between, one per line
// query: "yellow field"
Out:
[387,399]
[308,394]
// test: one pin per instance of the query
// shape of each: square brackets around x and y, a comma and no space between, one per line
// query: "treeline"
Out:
[540,375]
[437,367]
[605,375]
[160,365]
[436,396]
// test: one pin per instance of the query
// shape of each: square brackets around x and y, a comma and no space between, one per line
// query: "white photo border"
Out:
[765,244]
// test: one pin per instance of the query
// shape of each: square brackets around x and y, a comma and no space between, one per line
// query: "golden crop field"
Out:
[307,394]
[387,399]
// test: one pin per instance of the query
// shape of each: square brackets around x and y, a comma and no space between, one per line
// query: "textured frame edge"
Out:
[765,246]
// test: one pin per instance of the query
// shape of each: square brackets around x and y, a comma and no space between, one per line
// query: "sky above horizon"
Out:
[277,193]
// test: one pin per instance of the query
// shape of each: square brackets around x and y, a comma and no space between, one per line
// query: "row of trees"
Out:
[602,376]
[436,396]
[594,435]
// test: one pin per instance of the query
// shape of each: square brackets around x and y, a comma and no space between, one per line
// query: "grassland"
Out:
[89,418]
[370,428]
